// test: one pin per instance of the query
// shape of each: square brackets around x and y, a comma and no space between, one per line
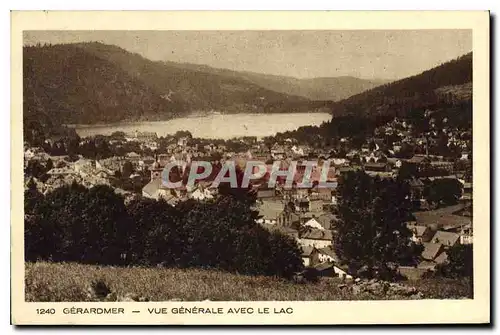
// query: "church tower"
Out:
[156,169]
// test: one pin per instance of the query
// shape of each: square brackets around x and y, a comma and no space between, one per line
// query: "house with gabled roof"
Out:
[313,223]
[421,233]
[441,258]
[447,239]
[377,167]
[309,255]
[327,220]
[270,211]
[316,238]
[327,254]
[419,159]
[155,190]
[201,193]
[431,251]
[330,269]
[266,193]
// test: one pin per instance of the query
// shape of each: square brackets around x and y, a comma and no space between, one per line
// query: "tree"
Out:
[223,234]
[118,135]
[35,169]
[406,151]
[33,234]
[79,224]
[442,145]
[459,263]
[49,165]
[183,133]
[445,191]
[154,234]
[31,196]
[72,144]
[33,132]
[284,260]
[127,169]
[407,171]
[356,159]
[371,231]
[239,193]
[372,146]
[76,224]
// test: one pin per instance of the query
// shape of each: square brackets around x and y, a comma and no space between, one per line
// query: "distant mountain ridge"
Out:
[320,88]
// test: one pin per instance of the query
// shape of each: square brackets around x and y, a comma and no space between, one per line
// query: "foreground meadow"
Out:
[72,282]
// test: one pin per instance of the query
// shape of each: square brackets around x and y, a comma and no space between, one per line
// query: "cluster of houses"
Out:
[312,225]
[87,172]
[405,133]
[438,231]
[145,139]
[304,214]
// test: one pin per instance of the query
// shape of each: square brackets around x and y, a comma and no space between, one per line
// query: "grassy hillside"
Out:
[94,82]
[71,282]
[449,84]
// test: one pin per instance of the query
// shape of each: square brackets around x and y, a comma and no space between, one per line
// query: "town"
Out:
[436,164]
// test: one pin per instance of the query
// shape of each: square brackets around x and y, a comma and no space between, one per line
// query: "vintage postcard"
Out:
[250,168]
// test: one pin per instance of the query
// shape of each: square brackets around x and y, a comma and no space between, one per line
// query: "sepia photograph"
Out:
[241,165]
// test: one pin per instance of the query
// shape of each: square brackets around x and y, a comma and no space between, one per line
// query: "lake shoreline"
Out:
[190,116]
[214,126]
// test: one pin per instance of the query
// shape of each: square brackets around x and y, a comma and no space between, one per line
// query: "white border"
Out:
[198,7]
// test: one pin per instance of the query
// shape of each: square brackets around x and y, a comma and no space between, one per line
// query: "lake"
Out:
[214,126]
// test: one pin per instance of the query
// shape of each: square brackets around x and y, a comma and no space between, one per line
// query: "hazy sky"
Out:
[304,54]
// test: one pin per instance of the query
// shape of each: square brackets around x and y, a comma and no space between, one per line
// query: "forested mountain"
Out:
[69,85]
[327,88]
[92,83]
[446,84]
[445,90]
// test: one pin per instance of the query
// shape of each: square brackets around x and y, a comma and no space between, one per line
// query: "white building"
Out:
[316,238]
[201,194]
[314,224]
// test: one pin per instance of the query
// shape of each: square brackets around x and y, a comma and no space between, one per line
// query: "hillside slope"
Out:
[447,84]
[322,89]
[446,90]
[71,282]
[93,83]
[199,89]
[69,85]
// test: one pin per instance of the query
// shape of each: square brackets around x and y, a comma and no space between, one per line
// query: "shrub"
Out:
[311,274]
[100,288]
[459,263]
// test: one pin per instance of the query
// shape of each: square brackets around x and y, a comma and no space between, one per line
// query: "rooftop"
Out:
[317,234]
[442,217]
[329,252]
[431,251]
[307,251]
[446,238]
